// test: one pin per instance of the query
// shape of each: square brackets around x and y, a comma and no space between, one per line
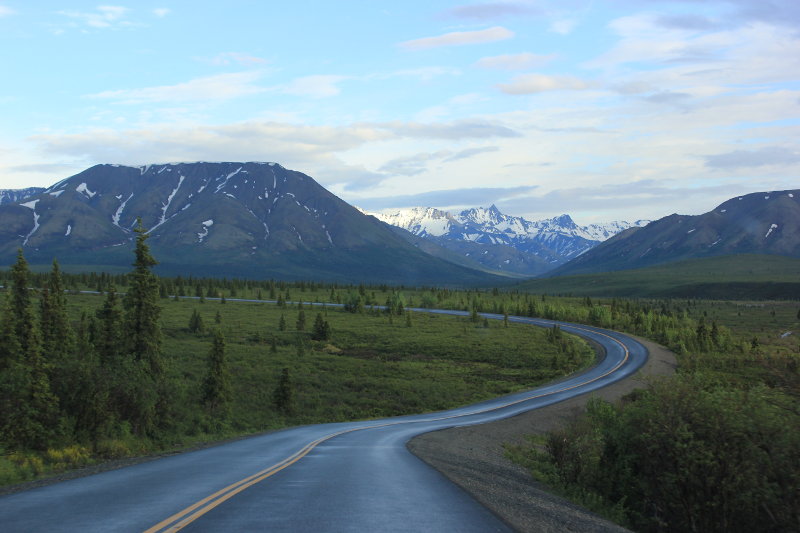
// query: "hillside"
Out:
[256,220]
[729,277]
[758,223]
[501,242]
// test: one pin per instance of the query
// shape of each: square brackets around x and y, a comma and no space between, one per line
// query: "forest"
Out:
[96,367]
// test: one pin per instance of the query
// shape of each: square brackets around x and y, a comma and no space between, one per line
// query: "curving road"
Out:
[355,476]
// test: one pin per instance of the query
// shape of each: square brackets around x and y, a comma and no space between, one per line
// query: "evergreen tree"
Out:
[32,417]
[217,387]
[321,330]
[143,393]
[273,346]
[283,397]
[196,323]
[218,318]
[58,340]
[301,320]
[108,341]
[142,328]
[282,323]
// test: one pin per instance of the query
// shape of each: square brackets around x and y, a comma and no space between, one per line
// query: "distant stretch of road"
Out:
[354,476]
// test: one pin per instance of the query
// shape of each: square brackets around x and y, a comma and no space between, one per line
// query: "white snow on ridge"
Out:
[203,234]
[35,227]
[115,217]
[56,193]
[224,183]
[30,205]
[83,189]
[471,224]
[772,227]
[69,230]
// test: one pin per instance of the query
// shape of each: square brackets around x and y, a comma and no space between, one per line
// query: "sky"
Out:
[605,110]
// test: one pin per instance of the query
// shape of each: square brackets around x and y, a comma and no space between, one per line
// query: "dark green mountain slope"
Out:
[217,219]
[759,223]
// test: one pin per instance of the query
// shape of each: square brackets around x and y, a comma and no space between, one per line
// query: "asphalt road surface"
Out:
[355,476]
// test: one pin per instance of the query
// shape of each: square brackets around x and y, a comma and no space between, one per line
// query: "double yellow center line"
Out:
[183,518]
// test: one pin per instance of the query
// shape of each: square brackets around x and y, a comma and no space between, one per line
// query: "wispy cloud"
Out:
[538,83]
[6,11]
[466,197]
[767,155]
[458,38]
[492,10]
[456,129]
[161,12]
[317,86]
[563,26]
[522,61]
[219,87]
[104,17]
[418,163]
[235,58]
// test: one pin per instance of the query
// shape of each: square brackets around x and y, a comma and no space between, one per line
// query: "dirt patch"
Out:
[473,458]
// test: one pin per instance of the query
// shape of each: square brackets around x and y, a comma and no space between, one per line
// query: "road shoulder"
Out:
[473,458]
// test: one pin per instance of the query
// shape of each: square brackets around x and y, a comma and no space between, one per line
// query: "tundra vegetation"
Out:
[712,448]
[144,364]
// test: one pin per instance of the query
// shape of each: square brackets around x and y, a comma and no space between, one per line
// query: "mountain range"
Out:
[502,242]
[261,220]
[765,223]
[216,219]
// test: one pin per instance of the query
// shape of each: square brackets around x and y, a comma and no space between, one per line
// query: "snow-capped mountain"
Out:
[226,219]
[551,242]
[12,196]
[759,223]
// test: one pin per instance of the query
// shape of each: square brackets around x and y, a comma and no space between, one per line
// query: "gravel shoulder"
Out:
[473,458]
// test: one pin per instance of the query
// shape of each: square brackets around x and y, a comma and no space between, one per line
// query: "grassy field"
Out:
[374,365]
[728,277]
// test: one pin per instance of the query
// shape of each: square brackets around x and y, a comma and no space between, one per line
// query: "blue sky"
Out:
[601,109]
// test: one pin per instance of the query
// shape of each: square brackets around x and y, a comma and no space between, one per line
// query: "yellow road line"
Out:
[180,520]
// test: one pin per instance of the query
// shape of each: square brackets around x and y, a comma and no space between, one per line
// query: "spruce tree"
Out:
[143,395]
[32,419]
[301,320]
[142,328]
[283,397]
[108,340]
[217,387]
[321,330]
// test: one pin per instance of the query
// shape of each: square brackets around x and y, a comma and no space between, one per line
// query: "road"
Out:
[355,476]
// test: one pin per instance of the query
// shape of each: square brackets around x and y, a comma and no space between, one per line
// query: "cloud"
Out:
[458,38]
[514,61]
[457,129]
[318,86]
[563,26]
[104,17]
[212,88]
[161,12]
[538,83]
[6,11]
[469,152]
[418,163]
[767,155]
[686,22]
[230,58]
[412,165]
[491,10]
[44,168]
[650,198]
[669,97]
[466,197]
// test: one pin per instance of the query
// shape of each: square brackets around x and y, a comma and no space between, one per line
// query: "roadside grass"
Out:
[374,365]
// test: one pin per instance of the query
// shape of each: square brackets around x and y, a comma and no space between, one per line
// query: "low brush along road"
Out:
[354,476]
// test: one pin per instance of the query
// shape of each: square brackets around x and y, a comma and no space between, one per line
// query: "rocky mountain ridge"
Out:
[503,242]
